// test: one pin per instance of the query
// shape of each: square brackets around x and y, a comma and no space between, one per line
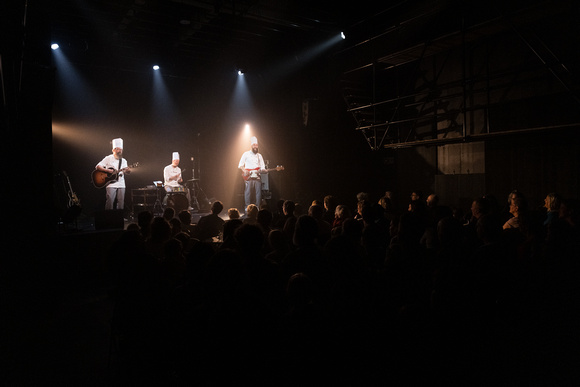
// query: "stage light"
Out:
[240,72]
[54,46]
[155,67]
[342,35]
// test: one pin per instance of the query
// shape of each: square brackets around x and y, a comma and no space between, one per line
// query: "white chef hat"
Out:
[175,156]
[253,140]
[118,143]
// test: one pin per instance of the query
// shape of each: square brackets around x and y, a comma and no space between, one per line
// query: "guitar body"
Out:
[251,174]
[254,174]
[73,199]
[102,179]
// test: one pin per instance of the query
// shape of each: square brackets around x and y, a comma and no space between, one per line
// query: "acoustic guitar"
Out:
[102,179]
[73,199]
[253,174]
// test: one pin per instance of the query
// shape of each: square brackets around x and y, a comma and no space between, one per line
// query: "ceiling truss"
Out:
[443,88]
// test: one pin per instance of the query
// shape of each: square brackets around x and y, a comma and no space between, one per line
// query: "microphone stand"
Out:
[193,193]
[196,182]
[157,207]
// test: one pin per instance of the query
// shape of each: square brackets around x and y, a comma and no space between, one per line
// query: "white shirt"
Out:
[171,175]
[111,162]
[251,160]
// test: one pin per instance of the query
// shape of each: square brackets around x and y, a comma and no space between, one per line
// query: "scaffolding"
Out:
[448,74]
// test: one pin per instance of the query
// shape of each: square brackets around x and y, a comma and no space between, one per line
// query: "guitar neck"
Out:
[127,167]
[259,170]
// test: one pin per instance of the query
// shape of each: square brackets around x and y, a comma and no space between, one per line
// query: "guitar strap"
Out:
[120,161]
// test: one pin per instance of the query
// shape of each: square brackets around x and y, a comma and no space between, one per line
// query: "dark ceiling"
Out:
[181,35]
[186,35]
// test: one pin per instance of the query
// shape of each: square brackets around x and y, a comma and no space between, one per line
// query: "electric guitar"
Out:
[253,174]
[102,179]
[73,199]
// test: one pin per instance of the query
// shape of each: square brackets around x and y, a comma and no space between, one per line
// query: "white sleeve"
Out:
[242,160]
[104,162]
[166,174]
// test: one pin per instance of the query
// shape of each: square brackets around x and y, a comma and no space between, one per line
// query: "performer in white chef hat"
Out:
[116,167]
[178,196]
[172,173]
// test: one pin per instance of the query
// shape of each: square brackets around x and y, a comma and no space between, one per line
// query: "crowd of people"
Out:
[338,294]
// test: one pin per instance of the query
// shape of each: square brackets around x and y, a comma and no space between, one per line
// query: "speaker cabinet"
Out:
[265,182]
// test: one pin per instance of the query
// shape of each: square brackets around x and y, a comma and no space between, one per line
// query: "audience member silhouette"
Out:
[324,228]
[306,334]
[288,222]
[434,213]
[479,208]
[330,202]
[435,210]
[360,205]
[288,207]
[306,257]
[230,227]
[518,209]
[278,214]
[211,225]
[144,219]
[341,213]
[175,224]
[375,235]
[251,214]
[233,213]
[185,217]
[505,214]
[160,234]
[172,267]
[299,210]
[417,195]
[279,246]
[552,204]
[388,206]
[261,274]
[264,221]
[168,213]
[362,197]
